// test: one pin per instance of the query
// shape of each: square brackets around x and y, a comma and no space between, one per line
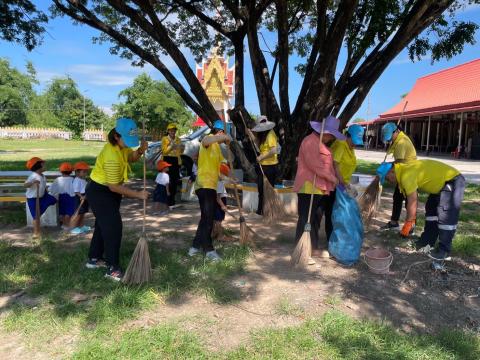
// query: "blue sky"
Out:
[68,50]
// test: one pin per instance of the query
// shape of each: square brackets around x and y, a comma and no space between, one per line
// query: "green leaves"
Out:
[156,102]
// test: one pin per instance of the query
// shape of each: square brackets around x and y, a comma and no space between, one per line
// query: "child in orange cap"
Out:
[79,184]
[62,188]
[221,206]
[37,182]
[162,191]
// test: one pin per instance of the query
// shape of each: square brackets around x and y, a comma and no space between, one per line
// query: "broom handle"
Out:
[254,146]
[398,123]
[144,179]
[229,159]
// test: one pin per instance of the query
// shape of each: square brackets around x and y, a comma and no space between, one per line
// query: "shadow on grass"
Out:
[53,277]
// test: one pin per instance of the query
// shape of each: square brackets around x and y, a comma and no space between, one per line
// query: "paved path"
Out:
[469,168]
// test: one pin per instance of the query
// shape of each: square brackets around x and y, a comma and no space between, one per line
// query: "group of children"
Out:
[67,190]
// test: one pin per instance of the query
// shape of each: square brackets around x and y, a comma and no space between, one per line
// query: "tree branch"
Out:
[282,24]
[90,19]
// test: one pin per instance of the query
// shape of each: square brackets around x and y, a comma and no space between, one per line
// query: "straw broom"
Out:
[302,253]
[139,270]
[273,209]
[370,200]
[74,218]
[36,224]
[245,237]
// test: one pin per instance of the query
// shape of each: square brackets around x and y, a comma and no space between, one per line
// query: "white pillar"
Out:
[460,132]
[428,133]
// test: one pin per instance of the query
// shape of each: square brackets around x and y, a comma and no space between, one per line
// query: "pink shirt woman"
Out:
[315,175]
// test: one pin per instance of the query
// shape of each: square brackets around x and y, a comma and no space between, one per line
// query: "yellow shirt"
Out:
[166,140]
[209,160]
[403,149]
[345,157]
[111,166]
[427,176]
[270,142]
[308,188]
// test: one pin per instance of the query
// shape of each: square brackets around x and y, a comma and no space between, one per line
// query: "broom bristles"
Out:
[245,236]
[139,269]
[369,200]
[303,251]
[273,208]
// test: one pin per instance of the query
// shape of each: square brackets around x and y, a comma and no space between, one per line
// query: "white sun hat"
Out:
[262,124]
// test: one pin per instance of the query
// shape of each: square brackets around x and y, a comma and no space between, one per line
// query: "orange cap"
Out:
[65,167]
[162,165]
[81,165]
[30,163]
[224,169]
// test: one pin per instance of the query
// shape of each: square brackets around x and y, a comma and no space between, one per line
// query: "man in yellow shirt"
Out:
[209,159]
[403,152]
[445,186]
[172,150]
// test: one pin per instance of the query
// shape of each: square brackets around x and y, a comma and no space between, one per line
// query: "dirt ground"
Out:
[275,295]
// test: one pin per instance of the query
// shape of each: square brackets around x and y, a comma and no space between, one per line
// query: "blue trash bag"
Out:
[346,240]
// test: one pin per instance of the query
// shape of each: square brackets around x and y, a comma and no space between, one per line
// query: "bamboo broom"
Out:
[273,209]
[74,218]
[245,237]
[37,234]
[370,200]
[302,254]
[139,270]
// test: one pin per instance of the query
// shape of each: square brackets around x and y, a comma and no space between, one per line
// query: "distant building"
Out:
[442,114]
[218,81]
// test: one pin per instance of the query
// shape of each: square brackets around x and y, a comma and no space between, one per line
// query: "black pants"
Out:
[107,235]
[318,208]
[398,199]
[271,173]
[329,201]
[441,214]
[208,202]
[174,173]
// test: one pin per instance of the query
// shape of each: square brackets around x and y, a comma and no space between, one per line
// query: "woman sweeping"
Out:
[315,161]
[172,150]
[209,160]
[104,193]
[267,142]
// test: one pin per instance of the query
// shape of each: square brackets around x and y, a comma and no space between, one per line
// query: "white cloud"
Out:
[44,76]
[107,110]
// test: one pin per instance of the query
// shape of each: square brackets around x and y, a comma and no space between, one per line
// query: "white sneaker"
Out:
[213,256]
[193,251]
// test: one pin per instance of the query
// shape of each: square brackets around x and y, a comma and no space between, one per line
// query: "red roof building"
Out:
[442,111]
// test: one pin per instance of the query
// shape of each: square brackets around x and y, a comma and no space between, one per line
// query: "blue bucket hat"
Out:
[127,128]
[219,125]
[356,133]
[387,132]
[383,170]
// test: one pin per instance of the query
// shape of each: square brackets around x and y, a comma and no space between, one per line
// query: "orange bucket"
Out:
[378,260]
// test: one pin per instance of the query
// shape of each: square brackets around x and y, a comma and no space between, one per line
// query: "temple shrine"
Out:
[218,81]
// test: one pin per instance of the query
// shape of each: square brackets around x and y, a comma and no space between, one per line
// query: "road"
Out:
[469,168]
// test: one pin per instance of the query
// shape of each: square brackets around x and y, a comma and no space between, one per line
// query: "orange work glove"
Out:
[407,227]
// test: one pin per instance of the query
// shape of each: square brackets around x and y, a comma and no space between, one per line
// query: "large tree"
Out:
[22,22]
[345,46]
[156,102]
[16,92]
